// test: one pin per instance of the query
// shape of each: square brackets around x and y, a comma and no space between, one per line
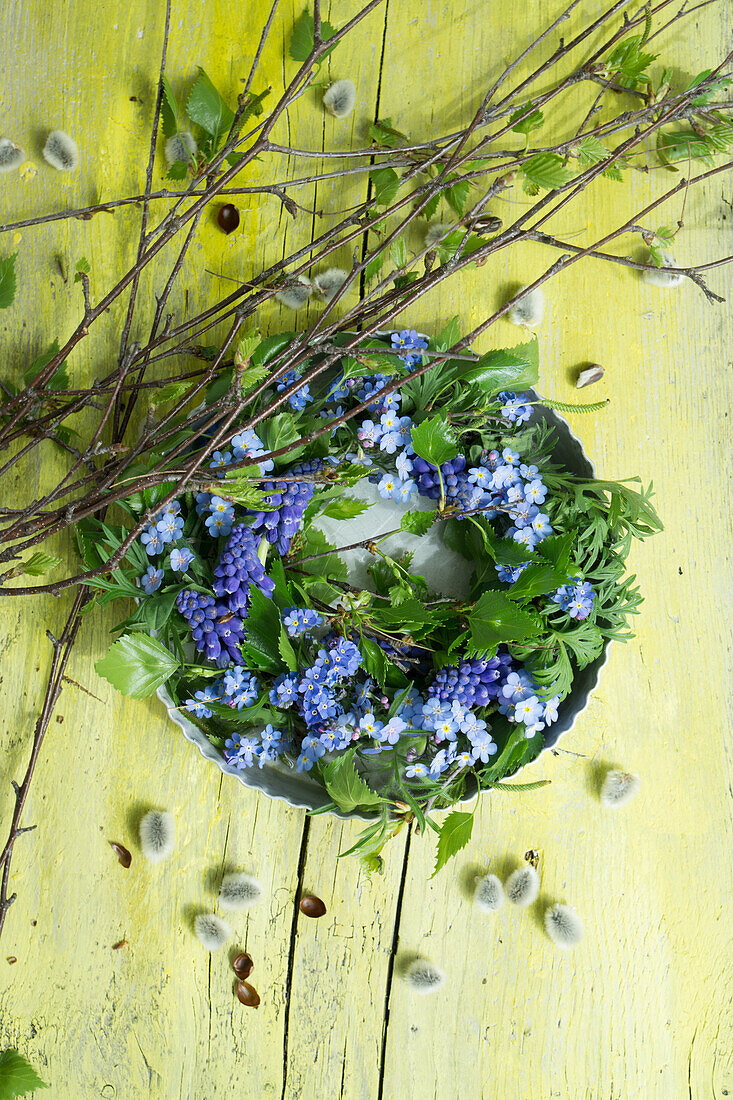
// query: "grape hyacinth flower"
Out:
[238,568]
[290,500]
[216,631]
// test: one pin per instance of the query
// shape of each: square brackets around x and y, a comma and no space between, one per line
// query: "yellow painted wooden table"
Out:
[642,1009]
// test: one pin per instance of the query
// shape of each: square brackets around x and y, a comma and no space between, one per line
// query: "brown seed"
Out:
[591,374]
[12,959]
[122,853]
[243,965]
[117,946]
[247,994]
[312,906]
[228,218]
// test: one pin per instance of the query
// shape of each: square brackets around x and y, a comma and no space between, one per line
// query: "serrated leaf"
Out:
[585,641]
[398,253]
[721,136]
[169,110]
[505,369]
[428,211]
[434,441]
[418,523]
[38,564]
[279,431]
[531,121]
[375,265]
[496,619]
[546,170]
[205,107]
[287,652]
[383,132]
[59,379]
[137,665]
[303,36]
[591,150]
[537,579]
[82,268]
[8,280]
[449,336]
[375,660]
[346,508]
[676,145]
[629,63]
[346,787]
[455,834]
[457,195]
[386,185]
[17,1076]
[241,491]
[246,348]
[177,171]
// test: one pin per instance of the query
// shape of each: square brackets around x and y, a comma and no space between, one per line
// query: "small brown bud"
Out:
[12,959]
[312,906]
[228,218]
[247,994]
[589,375]
[122,853]
[243,965]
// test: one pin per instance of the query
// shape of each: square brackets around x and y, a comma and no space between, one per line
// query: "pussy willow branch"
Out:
[62,648]
[379,310]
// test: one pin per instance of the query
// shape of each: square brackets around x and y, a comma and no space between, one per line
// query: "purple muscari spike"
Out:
[239,567]
[216,631]
[291,498]
[473,683]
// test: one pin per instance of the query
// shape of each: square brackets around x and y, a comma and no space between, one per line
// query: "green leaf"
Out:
[455,834]
[457,195]
[585,641]
[346,787]
[398,253]
[136,665]
[448,336]
[383,132]
[303,37]
[629,63]
[82,268]
[17,1076]
[495,619]
[531,121]
[418,523]
[286,651]
[8,280]
[434,441]
[169,110]
[386,185]
[177,171]
[375,265]
[270,347]
[557,549]
[721,136]
[346,508]
[676,145]
[505,369]
[241,491]
[591,151]
[38,564]
[538,578]
[375,660]
[59,379]
[546,170]
[263,625]
[206,107]
[431,206]
[279,431]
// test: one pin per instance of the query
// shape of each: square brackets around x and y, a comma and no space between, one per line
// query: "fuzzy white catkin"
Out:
[181,146]
[295,296]
[239,891]
[340,98]
[435,231]
[330,282]
[488,894]
[665,279]
[11,155]
[212,931]
[61,151]
[529,310]
[619,787]
[522,886]
[424,977]
[563,926]
[157,835]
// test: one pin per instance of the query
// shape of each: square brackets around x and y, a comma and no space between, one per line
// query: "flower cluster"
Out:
[238,568]
[215,629]
[575,598]
[287,502]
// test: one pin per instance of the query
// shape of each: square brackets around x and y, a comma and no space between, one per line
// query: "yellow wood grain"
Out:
[642,1008]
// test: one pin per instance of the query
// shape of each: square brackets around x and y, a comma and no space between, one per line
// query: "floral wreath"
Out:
[396,699]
